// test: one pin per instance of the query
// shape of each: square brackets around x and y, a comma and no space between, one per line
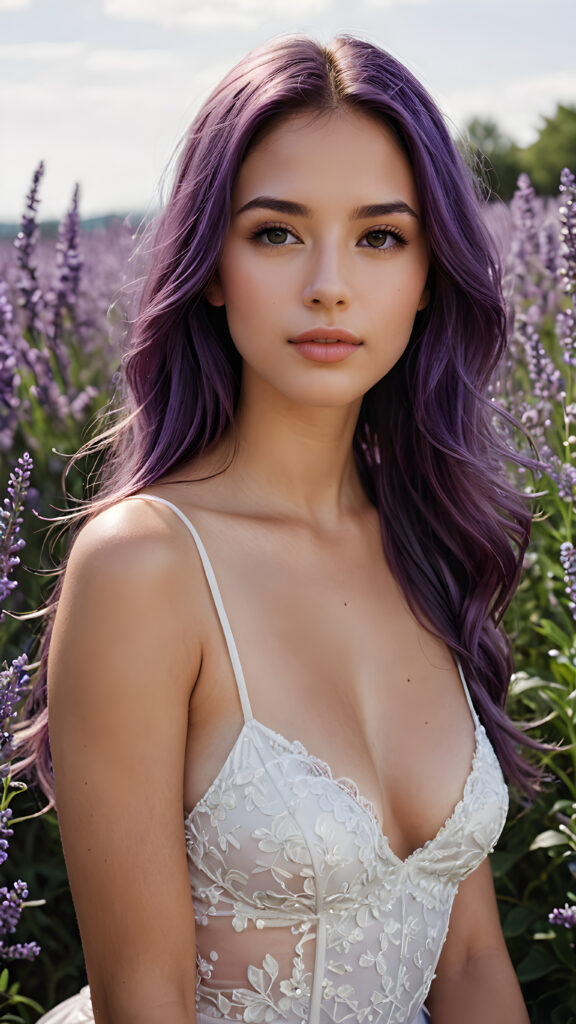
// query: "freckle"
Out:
[345,604]
[425,723]
[408,679]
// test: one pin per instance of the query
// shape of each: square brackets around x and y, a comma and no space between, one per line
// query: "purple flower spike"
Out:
[566,332]
[568,563]
[10,522]
[9,375]
[567,213]
[523,207]
[6,310]
[547,380]
[12,902]
[6,833]
[565,916]
[27,237]
[68,257]
[14,681]
[31,298]
[69,264]
[20,951]
[564,476]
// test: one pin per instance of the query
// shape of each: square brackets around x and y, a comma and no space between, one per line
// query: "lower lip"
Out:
[325,351]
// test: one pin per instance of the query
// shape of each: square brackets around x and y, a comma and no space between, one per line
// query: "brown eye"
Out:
[276,236]
[378,239]
[382,239]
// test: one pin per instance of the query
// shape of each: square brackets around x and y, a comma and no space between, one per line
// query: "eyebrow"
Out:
[292,209]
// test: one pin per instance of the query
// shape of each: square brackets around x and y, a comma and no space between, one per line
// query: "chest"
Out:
[334,658]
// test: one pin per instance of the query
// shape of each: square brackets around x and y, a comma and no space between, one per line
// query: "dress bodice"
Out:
[303,911]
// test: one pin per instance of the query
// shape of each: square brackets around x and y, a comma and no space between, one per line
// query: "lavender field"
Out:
[61,334]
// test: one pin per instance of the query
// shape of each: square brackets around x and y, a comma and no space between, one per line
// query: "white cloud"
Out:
[212,13]
[41,51]
[113,134]
[132,60]
[12,5]
[395,3]
[29,96]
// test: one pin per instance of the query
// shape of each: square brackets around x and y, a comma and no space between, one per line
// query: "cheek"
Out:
[250,292]
[396,298]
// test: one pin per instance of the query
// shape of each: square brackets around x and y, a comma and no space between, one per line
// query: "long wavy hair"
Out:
[429,444]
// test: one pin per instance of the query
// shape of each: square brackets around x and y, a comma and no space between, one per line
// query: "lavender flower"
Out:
[568,563]
[12,902]
[31,298]
[10,522]
[546,378]
[523,209]
[567,213]
[65,297]
[14,681]
[548,248]
[20,951]
[6,310]
[566,333]
[68,258]
[6,833]
[564,476]
[563,915]
[9,396]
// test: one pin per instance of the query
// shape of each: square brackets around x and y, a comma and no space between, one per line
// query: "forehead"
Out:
[342,155]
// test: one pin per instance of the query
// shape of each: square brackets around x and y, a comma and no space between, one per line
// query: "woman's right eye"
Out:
[274,235]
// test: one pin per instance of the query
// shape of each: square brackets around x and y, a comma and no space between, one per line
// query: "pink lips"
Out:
[332,333]
[326,344]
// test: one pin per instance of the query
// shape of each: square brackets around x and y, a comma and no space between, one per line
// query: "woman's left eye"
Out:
[382,238]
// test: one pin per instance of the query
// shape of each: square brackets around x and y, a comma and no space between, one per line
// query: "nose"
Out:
[327,282]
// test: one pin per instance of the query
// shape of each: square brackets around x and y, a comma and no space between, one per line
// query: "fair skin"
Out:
[138,665]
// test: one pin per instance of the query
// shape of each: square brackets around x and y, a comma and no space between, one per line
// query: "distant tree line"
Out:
[499,160]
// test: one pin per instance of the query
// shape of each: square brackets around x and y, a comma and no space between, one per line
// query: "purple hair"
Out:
[454,529]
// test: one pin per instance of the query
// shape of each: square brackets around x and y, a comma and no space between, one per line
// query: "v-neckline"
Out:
[352,790]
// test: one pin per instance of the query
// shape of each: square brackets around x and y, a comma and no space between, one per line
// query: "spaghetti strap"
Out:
[215,591]
[466,690]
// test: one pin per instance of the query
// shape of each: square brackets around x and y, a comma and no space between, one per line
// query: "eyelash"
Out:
[258,236]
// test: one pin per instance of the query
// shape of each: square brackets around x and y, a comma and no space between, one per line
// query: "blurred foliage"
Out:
[499,161]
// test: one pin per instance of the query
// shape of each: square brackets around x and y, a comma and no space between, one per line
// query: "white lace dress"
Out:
[303,911]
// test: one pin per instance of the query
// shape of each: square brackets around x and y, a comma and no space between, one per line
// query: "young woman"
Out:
[278,749]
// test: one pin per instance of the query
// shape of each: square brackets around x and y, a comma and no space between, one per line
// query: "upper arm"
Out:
[123,659]
[475,979]
[474,928]
[474,922]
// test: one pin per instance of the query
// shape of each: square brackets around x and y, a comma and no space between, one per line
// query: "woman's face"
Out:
[325,236]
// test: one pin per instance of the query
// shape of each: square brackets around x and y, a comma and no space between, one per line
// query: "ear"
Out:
[214,293]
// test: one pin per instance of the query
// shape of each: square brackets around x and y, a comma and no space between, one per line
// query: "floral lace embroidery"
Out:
[278,844]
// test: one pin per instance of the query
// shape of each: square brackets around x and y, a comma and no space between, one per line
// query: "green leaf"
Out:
[547,839]
[517,921]
[4,980]
[25,1001]
[537,964]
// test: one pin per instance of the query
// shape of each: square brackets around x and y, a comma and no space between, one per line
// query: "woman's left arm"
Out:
[475,980]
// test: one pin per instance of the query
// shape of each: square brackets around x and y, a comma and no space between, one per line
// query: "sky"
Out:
[103,90]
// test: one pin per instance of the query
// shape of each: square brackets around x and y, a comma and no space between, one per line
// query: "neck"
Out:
[296,461]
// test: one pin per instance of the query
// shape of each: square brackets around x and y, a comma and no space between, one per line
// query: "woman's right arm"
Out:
[124,657]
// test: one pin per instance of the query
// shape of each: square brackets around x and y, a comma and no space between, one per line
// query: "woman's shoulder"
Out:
[134,543]
[131,579]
